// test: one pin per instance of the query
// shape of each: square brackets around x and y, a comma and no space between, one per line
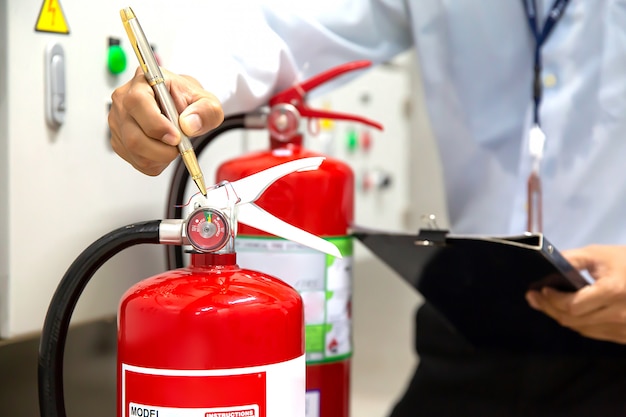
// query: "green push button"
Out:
[352,140]
[116,60]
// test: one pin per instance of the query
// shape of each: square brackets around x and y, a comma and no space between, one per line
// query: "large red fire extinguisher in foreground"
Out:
[322,203]
[211,339]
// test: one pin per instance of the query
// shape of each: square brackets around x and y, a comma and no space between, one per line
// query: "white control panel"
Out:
[61,184]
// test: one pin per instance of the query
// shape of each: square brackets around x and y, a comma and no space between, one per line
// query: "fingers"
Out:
[606,265]
[565,307]
[586,300]
[607,323]
[597,311]
[147,155]
[581,303]
[143,136]
[138,128]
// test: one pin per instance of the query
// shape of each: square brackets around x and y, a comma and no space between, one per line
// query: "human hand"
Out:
[596,311]
[143,136]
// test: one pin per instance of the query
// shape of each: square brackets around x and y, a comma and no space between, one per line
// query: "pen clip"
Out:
[142,48]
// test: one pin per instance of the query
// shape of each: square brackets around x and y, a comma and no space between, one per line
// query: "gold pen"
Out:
[154,76]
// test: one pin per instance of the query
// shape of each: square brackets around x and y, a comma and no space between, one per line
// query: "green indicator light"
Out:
[116,59]
[352,140]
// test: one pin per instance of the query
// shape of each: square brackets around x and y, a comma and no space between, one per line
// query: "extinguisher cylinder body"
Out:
[322,203]
[211,338]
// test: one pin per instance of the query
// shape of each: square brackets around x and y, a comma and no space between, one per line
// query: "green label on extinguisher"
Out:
[323,281]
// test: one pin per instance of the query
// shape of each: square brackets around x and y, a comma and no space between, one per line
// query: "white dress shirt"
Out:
[476,60]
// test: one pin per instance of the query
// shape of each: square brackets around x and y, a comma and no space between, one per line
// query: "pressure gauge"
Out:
[208,230]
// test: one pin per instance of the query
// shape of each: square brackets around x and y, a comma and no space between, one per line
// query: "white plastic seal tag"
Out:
[536,142]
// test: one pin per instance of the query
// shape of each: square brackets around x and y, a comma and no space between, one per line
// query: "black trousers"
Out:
[454,379]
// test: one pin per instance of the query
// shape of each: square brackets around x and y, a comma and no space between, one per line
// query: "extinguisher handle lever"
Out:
[325,114]
[296,95]
[255,216]
[250,188]
[335,72]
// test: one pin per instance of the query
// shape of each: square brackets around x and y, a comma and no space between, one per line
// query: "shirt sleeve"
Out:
[244,51]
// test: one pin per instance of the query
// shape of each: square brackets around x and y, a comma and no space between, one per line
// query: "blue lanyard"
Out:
[541,35]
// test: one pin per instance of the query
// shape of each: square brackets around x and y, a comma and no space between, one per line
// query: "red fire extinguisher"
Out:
[320,202]
[211,339]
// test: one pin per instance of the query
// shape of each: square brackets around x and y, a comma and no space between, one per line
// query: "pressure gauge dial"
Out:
[208,230]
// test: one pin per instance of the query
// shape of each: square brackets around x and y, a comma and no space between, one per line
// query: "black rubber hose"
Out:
[56,324]
[174,254]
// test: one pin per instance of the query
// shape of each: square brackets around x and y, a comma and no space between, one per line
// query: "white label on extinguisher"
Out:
[313,403]
[323,281]
[142,410]
[276,390]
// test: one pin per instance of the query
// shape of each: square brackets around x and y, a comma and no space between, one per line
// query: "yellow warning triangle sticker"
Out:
[51,18]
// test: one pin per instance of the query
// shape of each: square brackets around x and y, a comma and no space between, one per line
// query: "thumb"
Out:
[201,116]
[580,258]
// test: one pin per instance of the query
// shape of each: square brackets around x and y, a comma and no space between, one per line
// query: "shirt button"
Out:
[549,80]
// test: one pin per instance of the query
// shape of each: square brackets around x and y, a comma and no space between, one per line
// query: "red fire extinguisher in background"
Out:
[211,339]
[322,203]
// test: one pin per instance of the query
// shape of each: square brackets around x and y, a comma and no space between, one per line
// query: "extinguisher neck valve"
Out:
[171,232]
[286,147]
[212,259]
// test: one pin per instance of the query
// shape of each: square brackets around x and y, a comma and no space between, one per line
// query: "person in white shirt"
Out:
[491,72]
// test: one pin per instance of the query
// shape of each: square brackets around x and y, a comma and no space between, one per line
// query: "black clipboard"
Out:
[478,285]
